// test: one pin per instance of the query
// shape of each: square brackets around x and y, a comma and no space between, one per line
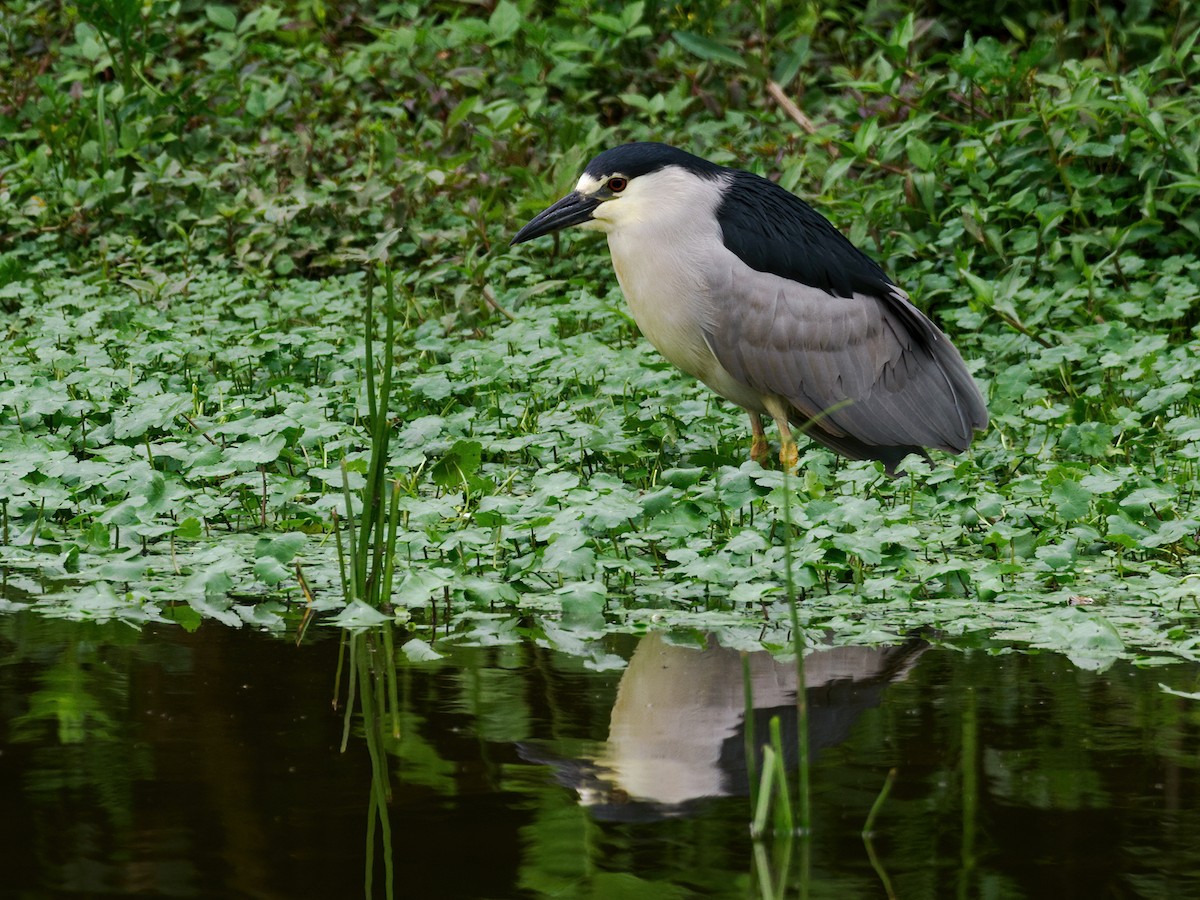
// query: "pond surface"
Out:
[209,764]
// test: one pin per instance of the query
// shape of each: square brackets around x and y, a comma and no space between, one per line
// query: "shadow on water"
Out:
[209,765]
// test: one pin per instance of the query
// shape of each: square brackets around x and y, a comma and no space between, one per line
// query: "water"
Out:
[164,763]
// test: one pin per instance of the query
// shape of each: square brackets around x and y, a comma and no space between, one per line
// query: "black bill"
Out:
[573,209]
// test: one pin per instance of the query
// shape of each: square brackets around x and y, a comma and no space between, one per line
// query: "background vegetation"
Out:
[190,194]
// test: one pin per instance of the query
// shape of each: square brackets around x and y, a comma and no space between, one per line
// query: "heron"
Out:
[744,286]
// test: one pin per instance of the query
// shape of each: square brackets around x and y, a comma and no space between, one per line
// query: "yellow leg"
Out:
[789,455]
[759,449]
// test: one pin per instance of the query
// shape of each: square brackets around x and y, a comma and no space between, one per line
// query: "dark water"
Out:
[163,763]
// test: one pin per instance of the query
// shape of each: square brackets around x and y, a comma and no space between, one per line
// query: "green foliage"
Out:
[280,140]
[185,188]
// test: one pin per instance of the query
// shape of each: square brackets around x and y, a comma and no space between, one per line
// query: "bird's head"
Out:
[629,183]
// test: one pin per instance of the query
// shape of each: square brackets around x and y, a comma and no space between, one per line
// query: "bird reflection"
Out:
[676,734]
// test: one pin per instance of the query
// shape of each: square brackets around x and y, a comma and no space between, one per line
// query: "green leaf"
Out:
[189,529]
[216,607]
[256,452]
[681,478]
[420,586]
[283,548]
[583,605]
[223,17]
[866,136]
[358,615]
[97,536]
[1071,500]
[707,49]
[919,152]
[458,114]
[155,411]
[609,23]
[270,570]
[458,464]
[185,616]
[487,591]
[417,650]
[505,21]
[261,101]
[1093,439]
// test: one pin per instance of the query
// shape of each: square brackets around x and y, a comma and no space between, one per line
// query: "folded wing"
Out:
[870,376]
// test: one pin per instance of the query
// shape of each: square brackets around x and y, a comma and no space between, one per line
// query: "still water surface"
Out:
[163,763]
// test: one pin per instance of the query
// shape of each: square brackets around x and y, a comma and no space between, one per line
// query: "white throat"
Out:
[662,232]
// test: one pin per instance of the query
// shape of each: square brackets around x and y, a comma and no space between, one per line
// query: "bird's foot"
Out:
[789,456]
[760,450]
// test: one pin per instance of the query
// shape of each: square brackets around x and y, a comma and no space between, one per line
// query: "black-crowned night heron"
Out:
[746,287]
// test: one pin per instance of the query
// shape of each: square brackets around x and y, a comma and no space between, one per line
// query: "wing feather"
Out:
[876,375]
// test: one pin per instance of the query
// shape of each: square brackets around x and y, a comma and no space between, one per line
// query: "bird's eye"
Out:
[617,184]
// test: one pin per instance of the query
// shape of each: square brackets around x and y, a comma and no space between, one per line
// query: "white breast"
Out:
[668,298]
[664,262]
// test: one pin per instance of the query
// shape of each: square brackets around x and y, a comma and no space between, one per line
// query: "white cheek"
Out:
[602,218]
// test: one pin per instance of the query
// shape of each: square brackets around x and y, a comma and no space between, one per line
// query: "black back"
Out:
[774,231]
[770,229]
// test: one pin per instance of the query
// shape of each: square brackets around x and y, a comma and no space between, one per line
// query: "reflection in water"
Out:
[677,731]
[208,764]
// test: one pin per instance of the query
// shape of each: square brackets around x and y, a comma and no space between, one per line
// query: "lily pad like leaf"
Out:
[418,650]
[358,615]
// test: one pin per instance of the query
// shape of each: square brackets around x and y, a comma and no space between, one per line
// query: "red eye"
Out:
[616,184]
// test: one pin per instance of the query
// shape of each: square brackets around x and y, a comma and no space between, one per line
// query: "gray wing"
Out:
[867,374]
